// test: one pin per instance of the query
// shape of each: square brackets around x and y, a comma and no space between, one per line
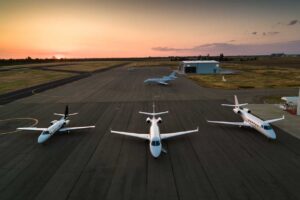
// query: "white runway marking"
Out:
[21,118]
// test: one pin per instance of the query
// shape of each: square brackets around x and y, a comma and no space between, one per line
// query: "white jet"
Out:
[164,80]
[56,126]
[154,137]
[250,120]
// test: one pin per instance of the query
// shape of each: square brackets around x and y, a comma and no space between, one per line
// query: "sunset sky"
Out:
[136,28]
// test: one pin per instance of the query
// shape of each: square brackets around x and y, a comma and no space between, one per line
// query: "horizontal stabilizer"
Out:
[274,120]
[153,114]
[237,105]
[59,114]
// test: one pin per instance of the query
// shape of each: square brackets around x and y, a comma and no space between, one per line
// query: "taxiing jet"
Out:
[250,120]
[56,126]
[164,80]
[154,137]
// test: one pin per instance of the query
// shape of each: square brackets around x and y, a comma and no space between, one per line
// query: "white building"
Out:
[200,67]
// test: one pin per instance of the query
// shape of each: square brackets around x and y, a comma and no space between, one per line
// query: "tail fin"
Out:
[66,114]
[67,111]
[236,103]
[154,113]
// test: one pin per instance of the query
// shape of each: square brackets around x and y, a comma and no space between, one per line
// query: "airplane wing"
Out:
[230,123]
[137,135]
[32,129]
[75,128]
[274,120]
[170,135]
[162,83]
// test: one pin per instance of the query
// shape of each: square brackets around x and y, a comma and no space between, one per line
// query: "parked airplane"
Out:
[163,81]
[250,120]
[56,126]
[154,137]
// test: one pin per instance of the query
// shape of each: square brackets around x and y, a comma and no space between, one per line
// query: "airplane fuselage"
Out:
[155,140]
[257,124]
[51,130]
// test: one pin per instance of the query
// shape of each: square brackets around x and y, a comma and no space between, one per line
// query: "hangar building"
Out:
[200,67]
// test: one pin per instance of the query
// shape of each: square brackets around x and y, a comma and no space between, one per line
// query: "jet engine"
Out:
[67,122]
[53,122]
[159,120]
[148,120]
[236,110]
[247,110]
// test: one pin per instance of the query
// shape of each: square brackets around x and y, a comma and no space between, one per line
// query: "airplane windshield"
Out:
[155,143]
[45,133]
[267,127]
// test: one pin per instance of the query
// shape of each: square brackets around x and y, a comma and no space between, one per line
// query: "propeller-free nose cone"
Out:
[42,139]
[272,135]
[155,151]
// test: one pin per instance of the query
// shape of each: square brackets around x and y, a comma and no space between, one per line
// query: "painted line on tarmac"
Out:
[36,121]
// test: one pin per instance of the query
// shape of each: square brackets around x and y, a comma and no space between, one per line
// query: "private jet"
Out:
[250,120]
[162,81]
[154,137]
[56,126]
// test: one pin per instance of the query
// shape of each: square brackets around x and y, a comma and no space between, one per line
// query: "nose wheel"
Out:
[164,150]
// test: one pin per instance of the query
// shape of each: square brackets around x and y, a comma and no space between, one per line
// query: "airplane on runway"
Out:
[56,126]
[164,80]
[154,137]
[250,120]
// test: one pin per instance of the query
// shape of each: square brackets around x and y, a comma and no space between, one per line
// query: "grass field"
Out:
[266,73]
[23,78]
[89,66]
[154,63]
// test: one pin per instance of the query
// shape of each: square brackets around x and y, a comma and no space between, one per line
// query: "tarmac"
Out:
[219,162]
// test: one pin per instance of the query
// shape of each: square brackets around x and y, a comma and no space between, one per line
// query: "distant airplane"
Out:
[154,137]
[250,120]
[163,81]
[56,125]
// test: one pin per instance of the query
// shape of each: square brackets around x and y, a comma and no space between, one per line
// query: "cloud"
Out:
[293,22]
[290,47]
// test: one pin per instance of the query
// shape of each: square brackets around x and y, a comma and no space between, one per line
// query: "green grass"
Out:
[252,76]
[89,66]
[155,63]
[23,78]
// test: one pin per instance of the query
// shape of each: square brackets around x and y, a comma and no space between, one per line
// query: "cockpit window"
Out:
[267,127]
[155,143]
[45,133]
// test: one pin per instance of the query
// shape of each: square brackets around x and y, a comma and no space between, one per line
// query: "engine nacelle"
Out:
[67,122]
[159,120]
[148,120]
[236,111]
[53,122]
[247,110]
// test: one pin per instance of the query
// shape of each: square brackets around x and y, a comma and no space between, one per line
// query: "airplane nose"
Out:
[272,135]
[155,152]
[41,139]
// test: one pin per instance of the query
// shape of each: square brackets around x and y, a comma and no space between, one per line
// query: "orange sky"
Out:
[131,29]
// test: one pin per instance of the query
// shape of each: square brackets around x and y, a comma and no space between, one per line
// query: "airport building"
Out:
[200,67]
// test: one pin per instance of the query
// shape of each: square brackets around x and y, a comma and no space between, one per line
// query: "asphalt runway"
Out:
[219,162]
